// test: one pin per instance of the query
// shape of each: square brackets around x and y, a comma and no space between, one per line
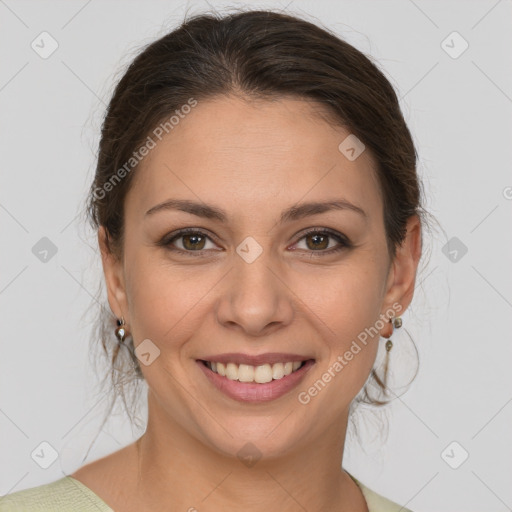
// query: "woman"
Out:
[259,220]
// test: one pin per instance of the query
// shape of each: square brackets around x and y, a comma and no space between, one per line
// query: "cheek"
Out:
[348,303]
[351,341]
[153,297]
[163,300]
[347,299]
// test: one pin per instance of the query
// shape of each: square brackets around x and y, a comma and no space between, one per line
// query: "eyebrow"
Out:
[290,214]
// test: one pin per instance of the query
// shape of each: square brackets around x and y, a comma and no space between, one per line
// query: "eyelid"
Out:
[167,240]
[343,241]
[333,233]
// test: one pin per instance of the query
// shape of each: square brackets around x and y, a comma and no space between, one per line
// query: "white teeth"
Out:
[278,371]
[248,373]
[232,371]
[263,374]
[245,373]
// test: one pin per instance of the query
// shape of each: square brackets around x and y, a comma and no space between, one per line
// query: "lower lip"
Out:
[253,392]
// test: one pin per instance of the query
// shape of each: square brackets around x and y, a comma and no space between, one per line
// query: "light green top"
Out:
[69,494]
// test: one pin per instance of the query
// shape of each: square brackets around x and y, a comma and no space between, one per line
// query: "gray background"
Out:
[459,110]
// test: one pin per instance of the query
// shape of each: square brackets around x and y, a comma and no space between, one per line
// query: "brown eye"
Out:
[188,241]
[320,241]
[317,241]
[193,242]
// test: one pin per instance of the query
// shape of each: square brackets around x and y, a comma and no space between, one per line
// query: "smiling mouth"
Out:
[261,374]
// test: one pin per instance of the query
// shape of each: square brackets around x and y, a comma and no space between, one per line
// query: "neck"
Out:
[175,468]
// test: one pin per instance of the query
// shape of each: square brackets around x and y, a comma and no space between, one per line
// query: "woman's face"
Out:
[255,283]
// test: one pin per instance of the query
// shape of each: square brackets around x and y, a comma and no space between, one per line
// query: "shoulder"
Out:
[378,503]
[61,495]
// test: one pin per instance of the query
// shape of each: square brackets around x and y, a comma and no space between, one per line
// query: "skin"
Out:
[253,159]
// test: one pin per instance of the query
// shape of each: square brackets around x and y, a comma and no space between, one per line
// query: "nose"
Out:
[256,298]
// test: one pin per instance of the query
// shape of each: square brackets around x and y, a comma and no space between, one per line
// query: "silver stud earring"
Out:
[120,330]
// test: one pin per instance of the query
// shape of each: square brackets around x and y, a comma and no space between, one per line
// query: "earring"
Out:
[120,330]
[396,323]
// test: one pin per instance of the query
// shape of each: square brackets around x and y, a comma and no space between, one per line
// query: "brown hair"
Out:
[253,54]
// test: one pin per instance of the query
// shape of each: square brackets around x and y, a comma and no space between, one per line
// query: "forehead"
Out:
[254,154]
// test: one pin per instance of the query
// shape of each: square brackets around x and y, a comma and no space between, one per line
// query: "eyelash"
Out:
[341,239]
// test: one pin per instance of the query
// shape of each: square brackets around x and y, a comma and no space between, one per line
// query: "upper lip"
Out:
[255,360]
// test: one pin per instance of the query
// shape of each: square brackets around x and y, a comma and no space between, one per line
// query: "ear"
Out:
[402,274]
[114,276]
